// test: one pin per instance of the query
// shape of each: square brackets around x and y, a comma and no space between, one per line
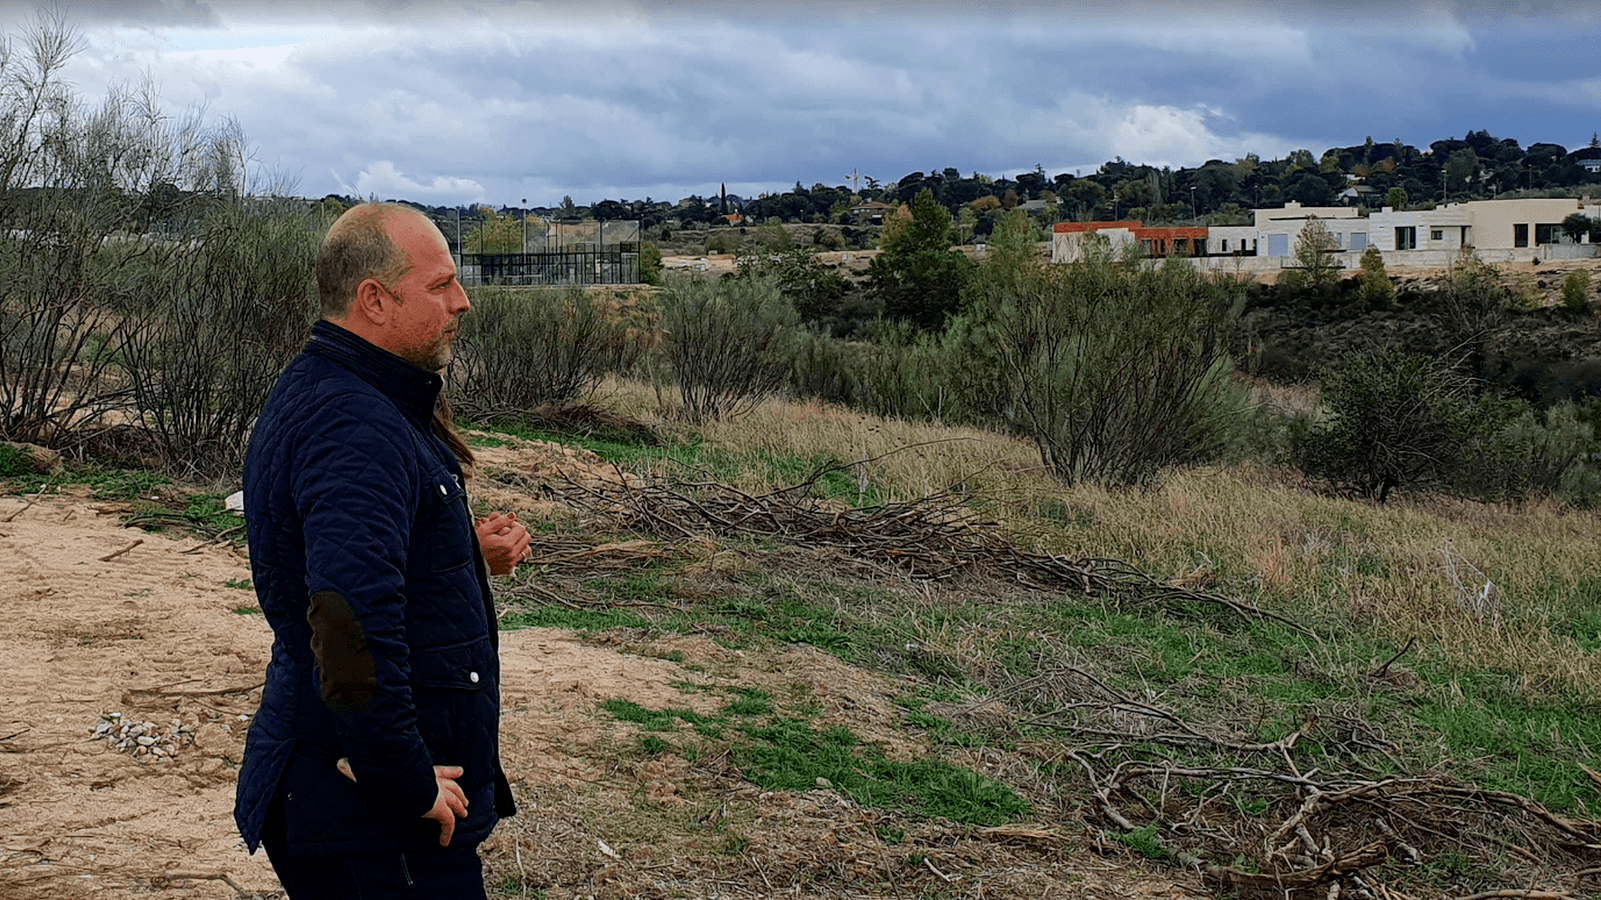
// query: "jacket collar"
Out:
[413,389]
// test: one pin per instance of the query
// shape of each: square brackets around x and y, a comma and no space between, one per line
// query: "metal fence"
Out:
[617,264]
[560,253]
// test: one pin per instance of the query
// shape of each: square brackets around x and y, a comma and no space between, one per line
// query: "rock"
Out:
[145,740]
[28,459]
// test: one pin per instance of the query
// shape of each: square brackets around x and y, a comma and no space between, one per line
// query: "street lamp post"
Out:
[525,238]
[1193,213]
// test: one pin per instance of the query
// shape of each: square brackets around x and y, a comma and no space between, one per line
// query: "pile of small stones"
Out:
[143,738]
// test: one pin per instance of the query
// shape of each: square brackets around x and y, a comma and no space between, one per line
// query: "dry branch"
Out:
[930,538]
[111,556]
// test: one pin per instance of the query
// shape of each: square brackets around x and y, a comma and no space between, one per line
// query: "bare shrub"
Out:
[724,343]
[219,321]
[519,349]
[135,278]
[66,177]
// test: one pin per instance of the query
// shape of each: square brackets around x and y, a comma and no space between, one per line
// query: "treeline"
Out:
[1476,167]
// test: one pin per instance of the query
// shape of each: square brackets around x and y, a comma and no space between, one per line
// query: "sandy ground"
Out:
[97,618]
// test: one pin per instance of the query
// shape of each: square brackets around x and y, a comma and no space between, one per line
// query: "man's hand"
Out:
[504,541]
[450,803]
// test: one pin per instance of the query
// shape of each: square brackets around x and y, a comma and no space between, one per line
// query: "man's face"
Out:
[430,301]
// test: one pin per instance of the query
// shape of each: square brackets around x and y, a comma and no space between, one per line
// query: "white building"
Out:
[1497,230]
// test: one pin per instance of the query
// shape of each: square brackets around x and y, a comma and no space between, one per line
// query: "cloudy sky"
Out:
[494,101]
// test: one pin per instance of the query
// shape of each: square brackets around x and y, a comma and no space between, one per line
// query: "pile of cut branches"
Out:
[932,537]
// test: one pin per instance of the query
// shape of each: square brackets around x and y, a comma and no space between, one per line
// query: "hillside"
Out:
[813,653]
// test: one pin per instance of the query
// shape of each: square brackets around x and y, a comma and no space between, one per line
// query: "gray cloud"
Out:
[494,101]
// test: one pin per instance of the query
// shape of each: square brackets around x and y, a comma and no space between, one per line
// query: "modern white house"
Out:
[1497,230]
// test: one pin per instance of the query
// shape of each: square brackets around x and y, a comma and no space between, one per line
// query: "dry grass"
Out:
[1492,586]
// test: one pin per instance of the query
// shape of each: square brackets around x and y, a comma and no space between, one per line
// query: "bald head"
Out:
[360,245]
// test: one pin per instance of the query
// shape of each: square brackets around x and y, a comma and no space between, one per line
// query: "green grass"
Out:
[773,610]
[581,620]
[789,754]
[781,752]
[1506,740]
[13,462]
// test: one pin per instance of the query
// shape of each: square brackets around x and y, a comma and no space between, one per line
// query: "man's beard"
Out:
[434,355]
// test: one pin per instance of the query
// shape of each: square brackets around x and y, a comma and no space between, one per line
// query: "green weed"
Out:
[583,620]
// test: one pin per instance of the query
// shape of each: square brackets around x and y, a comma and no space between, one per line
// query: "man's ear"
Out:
[372,302]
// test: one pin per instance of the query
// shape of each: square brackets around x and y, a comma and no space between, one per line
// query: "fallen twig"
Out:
[111,556]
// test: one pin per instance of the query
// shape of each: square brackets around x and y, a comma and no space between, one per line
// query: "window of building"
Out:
[1406,238]
[1549,234]
[1359,240]
[1520,235]
[1436,234]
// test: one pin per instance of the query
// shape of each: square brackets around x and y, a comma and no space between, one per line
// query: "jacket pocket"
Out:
[442,535]
[453,691]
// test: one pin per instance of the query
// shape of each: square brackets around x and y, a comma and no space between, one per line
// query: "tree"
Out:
[495,233]
[917,276]
[650,263]
[1315,247]
[1396,198]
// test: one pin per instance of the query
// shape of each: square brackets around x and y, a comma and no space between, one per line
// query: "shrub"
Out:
[521,348]
[1115,369]
[724,343]
[1394,419]
[650,263]
[1576,291]
[221,320]
[1375,289]
[813,288]
[1553,453]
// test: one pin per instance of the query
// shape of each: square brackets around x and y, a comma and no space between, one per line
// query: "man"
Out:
[372,767]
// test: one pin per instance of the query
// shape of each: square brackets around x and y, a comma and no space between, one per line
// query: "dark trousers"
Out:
[454,872]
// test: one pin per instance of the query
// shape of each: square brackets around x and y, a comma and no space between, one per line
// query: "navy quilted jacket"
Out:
[385,647]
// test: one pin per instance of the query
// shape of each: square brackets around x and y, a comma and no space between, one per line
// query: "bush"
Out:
[521,348]
[140,273]
[1375,289]
[221,321]
[650,263]
[813,288]
[1114,369]
[1554,454]
[1400,420]
[724,343]
[1576,291]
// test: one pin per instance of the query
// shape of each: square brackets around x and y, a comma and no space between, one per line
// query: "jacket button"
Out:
[473,677]
[443,490]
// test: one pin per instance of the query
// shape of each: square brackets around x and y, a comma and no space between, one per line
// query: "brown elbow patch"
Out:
[349,681]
